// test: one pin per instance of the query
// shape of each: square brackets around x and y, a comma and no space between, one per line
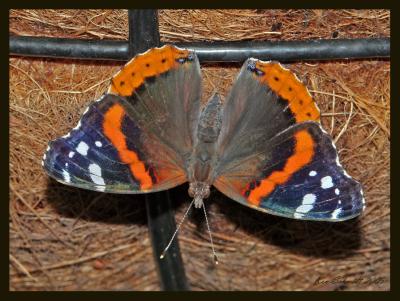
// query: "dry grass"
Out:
[69,239]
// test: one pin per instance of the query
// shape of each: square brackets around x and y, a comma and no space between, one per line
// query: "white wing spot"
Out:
[337,191]
[82,148]
[66,164]
[306,205]
[66,176]
[44,156]
[98,144]
[301,210]
[95,169]
[71,154]
[326,182]
[336,212]
[309,199]
[312,173]
[95,175]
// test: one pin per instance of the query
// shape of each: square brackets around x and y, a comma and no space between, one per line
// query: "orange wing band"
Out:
[283,82]
[303,154]
[113,131]
[151,63]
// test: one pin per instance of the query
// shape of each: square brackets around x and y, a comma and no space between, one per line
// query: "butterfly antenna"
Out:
[209,232]
[176,231]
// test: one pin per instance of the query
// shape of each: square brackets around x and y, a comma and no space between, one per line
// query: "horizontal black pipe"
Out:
[208,51]
[292,50]
[68,48]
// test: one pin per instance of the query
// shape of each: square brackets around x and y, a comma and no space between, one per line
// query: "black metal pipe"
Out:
[143,30]
[144,34]
[68,48]
[207,51]
[162,225]
[291,50]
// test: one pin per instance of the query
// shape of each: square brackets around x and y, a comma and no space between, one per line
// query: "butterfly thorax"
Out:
[200,169]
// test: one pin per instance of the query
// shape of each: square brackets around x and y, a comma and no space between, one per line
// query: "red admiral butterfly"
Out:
[263,147]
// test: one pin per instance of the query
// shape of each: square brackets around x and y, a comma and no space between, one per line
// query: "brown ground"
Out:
[63,238]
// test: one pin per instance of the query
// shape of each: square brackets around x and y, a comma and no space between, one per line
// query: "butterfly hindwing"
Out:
[128,141]
[321,189]
[300,178]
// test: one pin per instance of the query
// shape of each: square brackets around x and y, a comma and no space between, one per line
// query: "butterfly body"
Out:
[263,146]
[201,166]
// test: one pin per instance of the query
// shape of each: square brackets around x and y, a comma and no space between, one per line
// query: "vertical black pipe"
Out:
[144,34]
[143,30]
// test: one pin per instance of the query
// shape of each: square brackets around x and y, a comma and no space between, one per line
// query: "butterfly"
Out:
[263,147]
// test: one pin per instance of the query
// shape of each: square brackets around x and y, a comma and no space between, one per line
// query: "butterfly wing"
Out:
[274,155]
[137,137]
